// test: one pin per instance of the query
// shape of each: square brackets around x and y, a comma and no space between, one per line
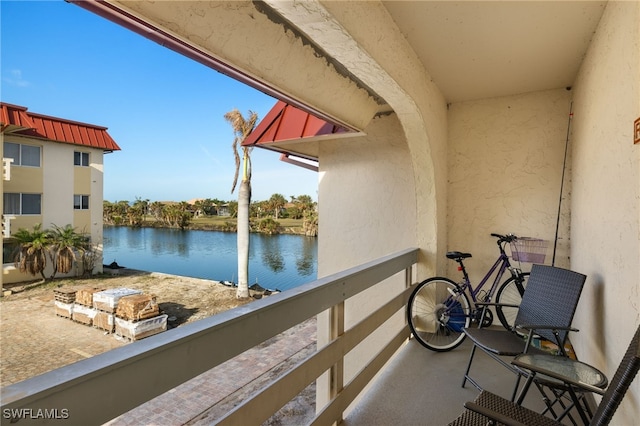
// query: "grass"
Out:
[220,222]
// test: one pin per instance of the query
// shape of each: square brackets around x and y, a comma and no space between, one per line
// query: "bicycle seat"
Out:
[457,255]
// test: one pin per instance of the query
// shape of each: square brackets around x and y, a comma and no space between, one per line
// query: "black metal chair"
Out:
[489,408]
[547,309]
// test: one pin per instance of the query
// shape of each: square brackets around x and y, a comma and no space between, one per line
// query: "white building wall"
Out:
[605,231]
[57,197]
[367,199]
[505,172]
[58,185]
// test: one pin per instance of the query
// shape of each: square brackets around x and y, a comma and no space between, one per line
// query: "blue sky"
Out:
[164,110]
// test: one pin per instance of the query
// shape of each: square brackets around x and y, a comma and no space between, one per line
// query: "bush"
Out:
[268,226]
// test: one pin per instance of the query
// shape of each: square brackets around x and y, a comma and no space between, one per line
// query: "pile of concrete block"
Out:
[106,303]
[138,307]
[126,312]
[138,316]
[64,298]
[81,310]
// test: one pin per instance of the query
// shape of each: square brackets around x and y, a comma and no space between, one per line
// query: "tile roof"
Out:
[17,120]
[285,122]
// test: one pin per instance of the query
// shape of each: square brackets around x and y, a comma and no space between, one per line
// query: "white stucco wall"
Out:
[392,69]
[96,202]
[60,187]
[372,215]
[505,172]
[57,197]
[605,231]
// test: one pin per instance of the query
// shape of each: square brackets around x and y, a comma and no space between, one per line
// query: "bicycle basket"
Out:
[531,250]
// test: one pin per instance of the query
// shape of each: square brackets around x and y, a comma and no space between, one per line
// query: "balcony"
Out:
[6,168]
[402,383]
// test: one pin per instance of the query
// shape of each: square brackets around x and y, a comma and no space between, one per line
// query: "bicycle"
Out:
[438,309]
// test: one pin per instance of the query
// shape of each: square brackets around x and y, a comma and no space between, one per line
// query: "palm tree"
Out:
[277,201]
[241,129]
[156,209]
[31,254]
[64,243]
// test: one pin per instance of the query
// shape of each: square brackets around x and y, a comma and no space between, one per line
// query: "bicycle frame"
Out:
[501,265]
[440,309]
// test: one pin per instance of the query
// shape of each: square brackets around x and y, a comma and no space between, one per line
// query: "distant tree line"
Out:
[264,215]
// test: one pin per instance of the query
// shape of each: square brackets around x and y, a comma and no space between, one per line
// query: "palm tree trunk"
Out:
[244,200]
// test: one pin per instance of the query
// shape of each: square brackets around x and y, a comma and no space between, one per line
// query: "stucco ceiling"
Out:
[481,49]
[470,49]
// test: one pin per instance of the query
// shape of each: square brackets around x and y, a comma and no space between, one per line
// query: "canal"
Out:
[276,262]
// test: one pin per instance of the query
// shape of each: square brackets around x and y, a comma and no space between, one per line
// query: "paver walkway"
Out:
[209,396]
[33,340]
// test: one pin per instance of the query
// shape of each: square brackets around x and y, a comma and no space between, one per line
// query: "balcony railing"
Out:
[6,168]
[6,225]
[98,389]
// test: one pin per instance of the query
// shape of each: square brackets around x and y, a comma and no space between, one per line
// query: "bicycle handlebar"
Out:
[505,238]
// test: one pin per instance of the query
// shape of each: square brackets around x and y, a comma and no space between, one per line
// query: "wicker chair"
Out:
[492,409]
[546,310]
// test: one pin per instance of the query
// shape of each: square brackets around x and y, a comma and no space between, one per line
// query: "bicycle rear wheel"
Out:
[437,313]
[510,294]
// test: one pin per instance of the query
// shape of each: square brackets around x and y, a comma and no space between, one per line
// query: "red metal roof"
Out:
[286,122]
[17,120]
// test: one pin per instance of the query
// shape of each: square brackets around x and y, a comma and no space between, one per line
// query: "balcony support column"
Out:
[336,373]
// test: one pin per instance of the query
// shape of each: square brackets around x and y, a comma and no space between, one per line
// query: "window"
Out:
[22,204]
[81,159]
[81,202]
[23,155]
[12,150]
[8,251]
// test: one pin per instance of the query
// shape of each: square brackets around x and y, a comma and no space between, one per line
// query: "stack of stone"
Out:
[138,316]
[64,298]
[106,303]
[138,307]
[127,312]
[83,311]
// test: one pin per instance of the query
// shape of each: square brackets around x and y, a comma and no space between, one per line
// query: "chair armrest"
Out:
[492,414]
[544,327]
[589,388]
[555,330]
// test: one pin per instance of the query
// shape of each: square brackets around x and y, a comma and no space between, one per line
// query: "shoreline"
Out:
[256,291]
[218,228]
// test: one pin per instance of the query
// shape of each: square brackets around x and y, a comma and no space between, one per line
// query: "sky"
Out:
[165,111]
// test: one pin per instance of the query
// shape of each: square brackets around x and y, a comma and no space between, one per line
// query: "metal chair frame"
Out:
[489,408]
[547,310]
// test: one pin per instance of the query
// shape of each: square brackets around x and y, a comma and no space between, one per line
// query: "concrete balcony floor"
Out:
[421,387]
[416,387]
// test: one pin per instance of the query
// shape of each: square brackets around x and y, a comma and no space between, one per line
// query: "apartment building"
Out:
[52,175]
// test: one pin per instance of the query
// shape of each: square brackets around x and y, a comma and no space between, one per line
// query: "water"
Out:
[277,262]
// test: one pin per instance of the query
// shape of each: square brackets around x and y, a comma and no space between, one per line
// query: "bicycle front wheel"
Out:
[509,293]
[437,313]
